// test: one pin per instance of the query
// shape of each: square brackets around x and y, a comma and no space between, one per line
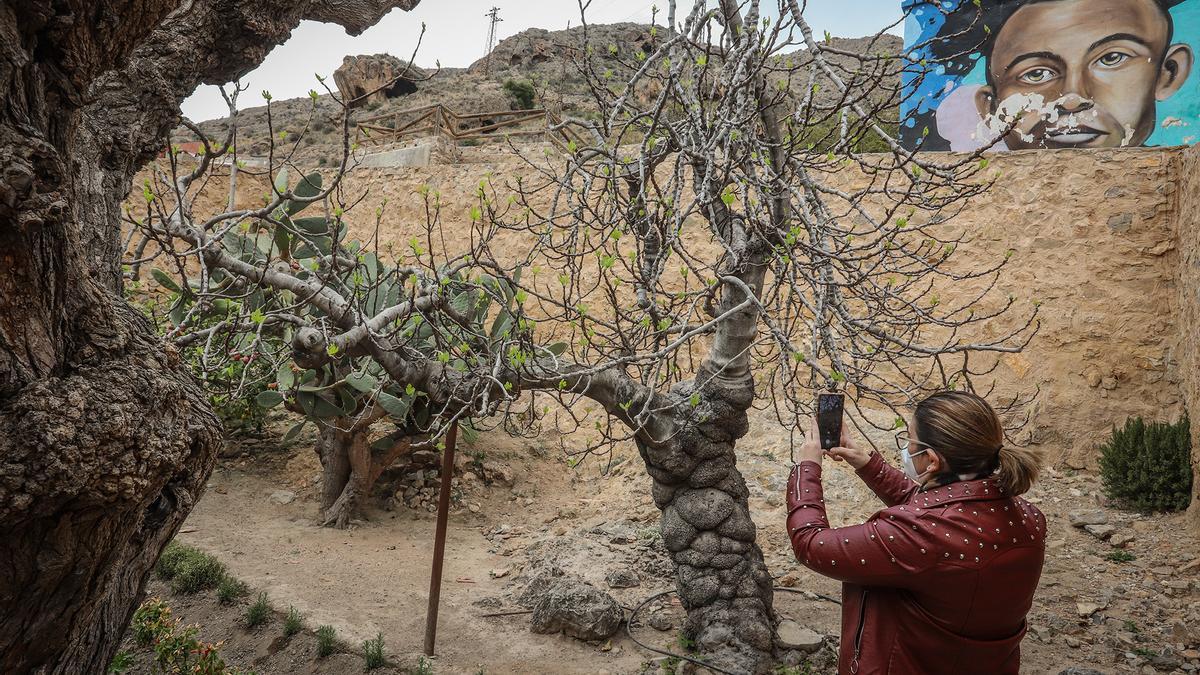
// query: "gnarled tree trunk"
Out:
[103,459]
[350,467]
[723,582]
[722,579]
[106,440]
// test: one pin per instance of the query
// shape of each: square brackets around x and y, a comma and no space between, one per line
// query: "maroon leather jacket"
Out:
[938,582]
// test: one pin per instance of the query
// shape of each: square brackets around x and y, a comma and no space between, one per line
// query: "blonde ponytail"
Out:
[1019,468]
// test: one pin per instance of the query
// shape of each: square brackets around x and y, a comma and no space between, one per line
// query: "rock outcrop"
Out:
[578,610]
[375,78]
[552,55]
[537,49]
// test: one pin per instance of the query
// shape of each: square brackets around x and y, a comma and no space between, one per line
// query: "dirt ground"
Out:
[1094,609]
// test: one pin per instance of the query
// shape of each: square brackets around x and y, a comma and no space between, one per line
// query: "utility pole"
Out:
[494,15]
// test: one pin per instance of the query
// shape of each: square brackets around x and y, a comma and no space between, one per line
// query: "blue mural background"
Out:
[923,21]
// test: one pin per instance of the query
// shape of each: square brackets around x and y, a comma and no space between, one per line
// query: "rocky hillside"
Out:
[549,60]
[545,53]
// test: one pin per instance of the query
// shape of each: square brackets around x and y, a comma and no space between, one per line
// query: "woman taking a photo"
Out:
[941,580]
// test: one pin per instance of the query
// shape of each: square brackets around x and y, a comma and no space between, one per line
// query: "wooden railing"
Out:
[437,119]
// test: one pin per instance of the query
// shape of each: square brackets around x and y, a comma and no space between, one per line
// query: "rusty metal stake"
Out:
[439,540]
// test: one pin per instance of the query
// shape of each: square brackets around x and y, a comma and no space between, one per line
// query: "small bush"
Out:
[258,613]
[373,653]
[235,404]
[230,589]
[199,574]
[1119,556]
[189,569]
[326,640]
[182,652]
[176,650]
[292,623]
[122,661]
[150,621]
[1147,467]
[170,560]
[520,94]
[424,667]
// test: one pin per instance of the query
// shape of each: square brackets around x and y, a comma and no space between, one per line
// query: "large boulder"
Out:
[577,609]
[383,76]
[539,579]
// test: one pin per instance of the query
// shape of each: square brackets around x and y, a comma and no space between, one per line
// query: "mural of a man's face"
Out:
[1089,72]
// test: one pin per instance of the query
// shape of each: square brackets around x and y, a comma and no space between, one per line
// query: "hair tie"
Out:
[994,463]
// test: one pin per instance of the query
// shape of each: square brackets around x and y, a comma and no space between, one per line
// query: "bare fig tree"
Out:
[719,242]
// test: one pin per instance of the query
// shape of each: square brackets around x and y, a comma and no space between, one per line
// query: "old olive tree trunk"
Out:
[106,440]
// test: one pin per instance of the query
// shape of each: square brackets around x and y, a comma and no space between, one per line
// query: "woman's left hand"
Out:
[810,450]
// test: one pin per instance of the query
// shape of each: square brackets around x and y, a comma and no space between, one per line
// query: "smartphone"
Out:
[829,419]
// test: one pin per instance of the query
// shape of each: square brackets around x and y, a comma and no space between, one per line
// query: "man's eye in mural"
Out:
[1113,59]
[1039,75]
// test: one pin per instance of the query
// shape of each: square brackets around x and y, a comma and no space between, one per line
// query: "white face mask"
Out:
[910,469]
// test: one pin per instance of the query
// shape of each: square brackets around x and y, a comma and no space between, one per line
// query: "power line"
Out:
[494,15]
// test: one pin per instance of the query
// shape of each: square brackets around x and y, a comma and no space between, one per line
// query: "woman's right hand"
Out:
[849,452]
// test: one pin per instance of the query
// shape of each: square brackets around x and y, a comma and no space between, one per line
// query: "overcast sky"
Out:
[456,35]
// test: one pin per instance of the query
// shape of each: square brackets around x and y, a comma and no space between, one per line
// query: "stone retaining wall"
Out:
[1105,240]
[1186,220]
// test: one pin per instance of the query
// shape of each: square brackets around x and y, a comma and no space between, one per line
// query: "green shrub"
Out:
[326,640]
[177,650]
[198,574]
[230,589]
[520,94]
[1147,467]
[233,401]
[373,653]
[1119,556]
[122,661]
[151,620]
[258,613]
[182,652]
[171,558]
[292,623]
[189,569]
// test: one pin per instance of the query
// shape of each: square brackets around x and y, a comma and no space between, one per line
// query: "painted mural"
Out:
[1019,74]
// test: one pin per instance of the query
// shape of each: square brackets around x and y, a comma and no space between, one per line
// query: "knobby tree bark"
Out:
[106,440]
[723,582]
[350,466]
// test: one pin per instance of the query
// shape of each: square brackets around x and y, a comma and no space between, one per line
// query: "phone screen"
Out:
[829,419]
